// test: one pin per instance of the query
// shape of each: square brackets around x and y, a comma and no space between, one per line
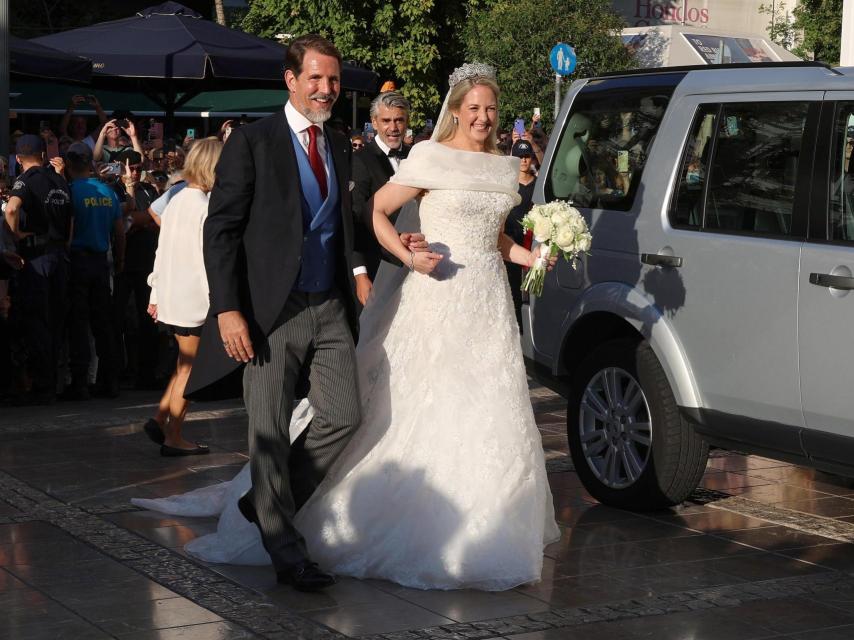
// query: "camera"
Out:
[114,168]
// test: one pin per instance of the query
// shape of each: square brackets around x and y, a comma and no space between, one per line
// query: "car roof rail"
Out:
[709,67]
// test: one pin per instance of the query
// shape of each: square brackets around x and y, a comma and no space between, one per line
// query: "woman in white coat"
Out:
[179,292]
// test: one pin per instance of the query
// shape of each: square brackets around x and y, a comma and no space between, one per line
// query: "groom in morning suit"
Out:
[278,245]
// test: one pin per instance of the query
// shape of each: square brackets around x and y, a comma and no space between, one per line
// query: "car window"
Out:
[687,210]
[842,176]
[754,167]
[603,148]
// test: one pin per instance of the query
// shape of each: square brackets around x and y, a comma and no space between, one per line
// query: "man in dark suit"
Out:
[278,245]
[373,166]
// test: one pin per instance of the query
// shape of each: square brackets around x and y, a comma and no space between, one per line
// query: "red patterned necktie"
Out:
[315,161]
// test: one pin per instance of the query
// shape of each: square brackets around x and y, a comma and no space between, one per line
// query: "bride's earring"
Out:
[456,121]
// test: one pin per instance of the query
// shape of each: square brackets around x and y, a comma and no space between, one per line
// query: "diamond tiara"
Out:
[471,70]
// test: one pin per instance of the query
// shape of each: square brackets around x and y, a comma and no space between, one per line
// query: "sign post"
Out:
[563,61]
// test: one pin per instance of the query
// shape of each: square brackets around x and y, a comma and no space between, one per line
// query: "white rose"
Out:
[565,239]
[542,229]
[584,242]
[561,219]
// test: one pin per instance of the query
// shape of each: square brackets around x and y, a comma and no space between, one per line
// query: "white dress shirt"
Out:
[300,125]
[395,162]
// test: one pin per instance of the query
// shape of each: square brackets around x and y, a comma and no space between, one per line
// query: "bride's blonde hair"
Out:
[445,128]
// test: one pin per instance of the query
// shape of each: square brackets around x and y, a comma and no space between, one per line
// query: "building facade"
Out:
[727,15]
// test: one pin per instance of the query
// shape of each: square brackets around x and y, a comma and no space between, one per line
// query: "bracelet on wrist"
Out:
[411,261]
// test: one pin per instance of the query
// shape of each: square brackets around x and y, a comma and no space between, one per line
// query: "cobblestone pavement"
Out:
[762,550]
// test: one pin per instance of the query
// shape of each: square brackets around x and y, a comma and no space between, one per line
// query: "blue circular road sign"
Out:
[563,59]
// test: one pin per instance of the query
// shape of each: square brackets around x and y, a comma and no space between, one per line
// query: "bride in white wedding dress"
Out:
[444,486]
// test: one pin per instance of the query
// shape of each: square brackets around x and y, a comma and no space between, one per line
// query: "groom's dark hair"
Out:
[309,42]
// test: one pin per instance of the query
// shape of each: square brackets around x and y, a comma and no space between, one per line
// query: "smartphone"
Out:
[123,123]
[369,128]
[622,161]
[408,133]
[114,168]
[191,134]
[537,111]
[519,126]
[732,125]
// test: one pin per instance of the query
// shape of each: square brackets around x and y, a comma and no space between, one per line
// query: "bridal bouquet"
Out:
[560,229]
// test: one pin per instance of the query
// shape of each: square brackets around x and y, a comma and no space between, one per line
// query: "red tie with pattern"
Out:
[315,161]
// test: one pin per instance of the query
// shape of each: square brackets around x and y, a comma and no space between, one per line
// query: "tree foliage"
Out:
[821,22]
[411,41]
[813,29]
[516,37]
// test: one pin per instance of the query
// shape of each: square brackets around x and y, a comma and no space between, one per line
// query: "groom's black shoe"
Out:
[305,576]
[247,509]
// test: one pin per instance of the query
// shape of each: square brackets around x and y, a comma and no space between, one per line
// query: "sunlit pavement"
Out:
[761,551]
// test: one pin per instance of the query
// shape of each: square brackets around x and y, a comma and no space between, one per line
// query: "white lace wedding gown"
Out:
[444,485]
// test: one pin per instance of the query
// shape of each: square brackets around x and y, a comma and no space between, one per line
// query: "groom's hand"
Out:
[363,288]
[235,336]
[415,242]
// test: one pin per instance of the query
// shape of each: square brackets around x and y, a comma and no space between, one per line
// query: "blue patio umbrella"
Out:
[173,42]
[170,53]
[27,58]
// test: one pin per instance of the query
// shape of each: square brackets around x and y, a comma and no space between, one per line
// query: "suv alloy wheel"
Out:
[630,446]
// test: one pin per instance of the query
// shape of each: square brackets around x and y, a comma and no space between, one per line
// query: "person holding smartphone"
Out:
[76,126]
[109,145]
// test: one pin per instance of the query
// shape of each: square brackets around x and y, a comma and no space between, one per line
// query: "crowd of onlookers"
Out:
[82,200]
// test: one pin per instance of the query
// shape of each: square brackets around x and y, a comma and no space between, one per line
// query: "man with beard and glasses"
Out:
[278,249]
[372,168]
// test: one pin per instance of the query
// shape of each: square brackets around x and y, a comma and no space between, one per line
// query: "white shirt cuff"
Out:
[359,271]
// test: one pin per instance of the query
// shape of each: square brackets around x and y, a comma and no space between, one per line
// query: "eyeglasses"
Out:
[357,145]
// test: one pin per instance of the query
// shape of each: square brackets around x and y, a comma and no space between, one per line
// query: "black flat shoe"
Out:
[153,431]
[306,576]
[173,452]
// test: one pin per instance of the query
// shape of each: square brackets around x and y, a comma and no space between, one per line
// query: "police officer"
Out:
[39,215]
[98,218]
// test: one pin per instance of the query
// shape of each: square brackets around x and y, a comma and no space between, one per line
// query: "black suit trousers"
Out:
[312,341]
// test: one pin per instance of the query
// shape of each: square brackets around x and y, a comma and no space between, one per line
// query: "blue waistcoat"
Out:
[320,222]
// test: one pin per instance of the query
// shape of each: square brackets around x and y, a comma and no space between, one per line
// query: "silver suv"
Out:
[715,307]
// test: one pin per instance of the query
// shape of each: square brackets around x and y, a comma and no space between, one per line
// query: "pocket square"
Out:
[351,185]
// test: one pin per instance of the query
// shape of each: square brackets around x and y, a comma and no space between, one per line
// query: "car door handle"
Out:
[658,260]
[834,282]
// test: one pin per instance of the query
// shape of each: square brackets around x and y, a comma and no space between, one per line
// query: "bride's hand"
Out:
[415,242]
[425,261]
[532,260]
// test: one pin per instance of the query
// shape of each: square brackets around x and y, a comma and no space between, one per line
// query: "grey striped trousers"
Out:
[312,343]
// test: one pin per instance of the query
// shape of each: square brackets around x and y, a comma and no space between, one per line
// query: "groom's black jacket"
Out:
[371,170]
[253,237]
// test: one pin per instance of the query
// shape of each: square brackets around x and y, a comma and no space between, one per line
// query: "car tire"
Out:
[630,446]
